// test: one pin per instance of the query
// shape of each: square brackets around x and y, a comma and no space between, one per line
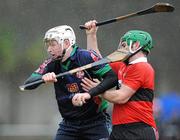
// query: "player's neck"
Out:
[136,56]
[67,54]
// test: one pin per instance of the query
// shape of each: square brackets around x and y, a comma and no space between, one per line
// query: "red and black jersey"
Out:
[140,77]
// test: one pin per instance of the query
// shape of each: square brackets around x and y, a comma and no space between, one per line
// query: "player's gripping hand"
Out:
[80,98]
[91,27]
[88,84]
[49,77]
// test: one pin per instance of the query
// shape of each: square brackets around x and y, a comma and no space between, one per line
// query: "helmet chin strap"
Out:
[61,57]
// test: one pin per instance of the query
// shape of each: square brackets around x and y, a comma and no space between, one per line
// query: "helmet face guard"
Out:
[59,34]
[132,48]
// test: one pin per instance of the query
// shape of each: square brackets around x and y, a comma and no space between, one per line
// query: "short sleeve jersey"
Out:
[140,77]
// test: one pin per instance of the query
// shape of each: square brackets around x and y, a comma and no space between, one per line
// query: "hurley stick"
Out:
[118,55]
[158,7]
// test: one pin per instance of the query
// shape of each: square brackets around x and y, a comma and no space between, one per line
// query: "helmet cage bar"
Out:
[60,34]
[131,47]
[60,57]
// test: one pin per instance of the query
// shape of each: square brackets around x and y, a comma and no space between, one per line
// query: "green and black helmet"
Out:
[142,37]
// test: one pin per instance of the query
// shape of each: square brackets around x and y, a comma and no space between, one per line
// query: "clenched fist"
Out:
[80,98]
[49,77]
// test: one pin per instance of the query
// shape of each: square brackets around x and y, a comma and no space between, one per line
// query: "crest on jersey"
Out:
[73,87]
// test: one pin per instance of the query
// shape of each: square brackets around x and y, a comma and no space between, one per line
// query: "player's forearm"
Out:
[92,43]
[112,96]
[108,82]
[120,96]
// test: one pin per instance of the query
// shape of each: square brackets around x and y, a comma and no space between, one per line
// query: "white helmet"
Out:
[60,33]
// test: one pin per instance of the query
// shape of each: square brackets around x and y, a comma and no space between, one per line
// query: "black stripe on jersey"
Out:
[143,94]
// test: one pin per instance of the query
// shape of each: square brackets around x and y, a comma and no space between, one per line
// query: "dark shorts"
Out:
[96,128]
[133,131]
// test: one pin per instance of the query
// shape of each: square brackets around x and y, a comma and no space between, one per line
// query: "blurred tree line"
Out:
[12,58]
[25,21]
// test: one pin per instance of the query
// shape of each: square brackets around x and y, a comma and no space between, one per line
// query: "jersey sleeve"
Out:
[37,74]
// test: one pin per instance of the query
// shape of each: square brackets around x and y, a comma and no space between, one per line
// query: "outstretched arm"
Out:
[91,33]
[41,73]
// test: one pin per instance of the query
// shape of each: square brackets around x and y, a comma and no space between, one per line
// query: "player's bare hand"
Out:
[49,77]
[91,27]
[80,98]
[88,84]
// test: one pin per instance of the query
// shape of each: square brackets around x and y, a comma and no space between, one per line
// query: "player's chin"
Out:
[55,57]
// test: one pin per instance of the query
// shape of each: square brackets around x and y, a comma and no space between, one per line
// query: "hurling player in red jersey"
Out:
[132,116]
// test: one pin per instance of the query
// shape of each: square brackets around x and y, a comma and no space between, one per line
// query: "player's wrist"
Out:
[88,94]
[92,92]
[91,34]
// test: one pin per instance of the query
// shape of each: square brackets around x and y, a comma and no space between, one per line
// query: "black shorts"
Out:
[133,131]
[95,128]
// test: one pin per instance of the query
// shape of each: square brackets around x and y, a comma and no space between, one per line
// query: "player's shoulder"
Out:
[83,53]
[143,66]
[118,63]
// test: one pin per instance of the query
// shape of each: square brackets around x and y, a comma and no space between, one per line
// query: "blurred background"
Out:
[33,115]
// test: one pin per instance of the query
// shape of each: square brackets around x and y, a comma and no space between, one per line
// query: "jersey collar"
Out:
[67,63]
[75,47]
[138,60]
